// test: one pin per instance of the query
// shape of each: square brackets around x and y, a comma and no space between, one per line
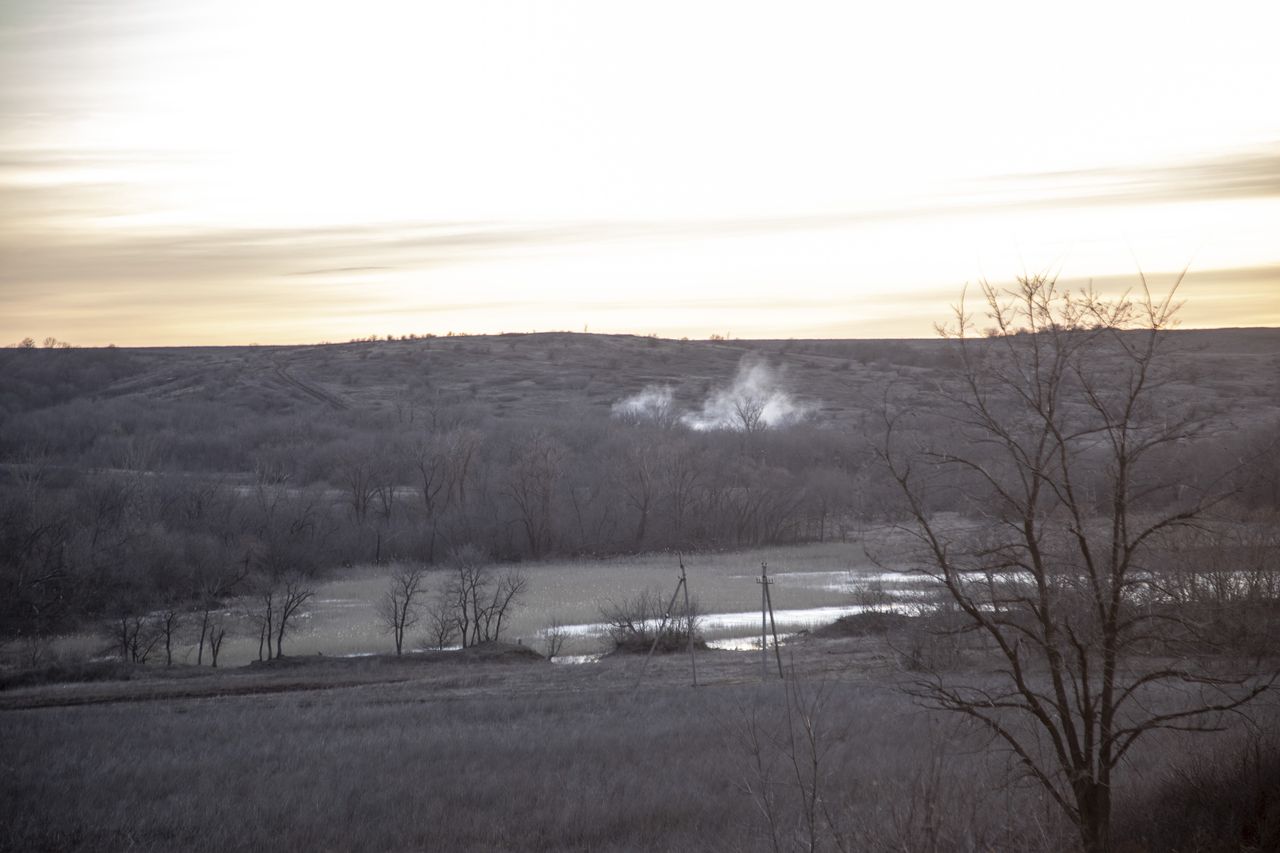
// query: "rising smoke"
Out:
[756,399]
[654,404]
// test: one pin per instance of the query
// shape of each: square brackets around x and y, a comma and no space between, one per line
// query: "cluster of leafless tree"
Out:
[134,536]
[156,559]
[536,489]
[471,601]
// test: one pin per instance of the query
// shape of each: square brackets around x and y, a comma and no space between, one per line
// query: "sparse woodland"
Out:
[135,481]
[1097,497]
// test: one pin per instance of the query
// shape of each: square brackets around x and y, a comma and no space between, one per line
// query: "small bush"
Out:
[635,623]
[62,672]
[869,623]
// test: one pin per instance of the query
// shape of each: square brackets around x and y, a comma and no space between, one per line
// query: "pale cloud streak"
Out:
[298,171]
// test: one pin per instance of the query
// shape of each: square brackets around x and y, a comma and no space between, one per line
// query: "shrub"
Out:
[1228,802]
[635,623]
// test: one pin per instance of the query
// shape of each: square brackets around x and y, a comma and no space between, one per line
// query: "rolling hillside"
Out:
[548,375]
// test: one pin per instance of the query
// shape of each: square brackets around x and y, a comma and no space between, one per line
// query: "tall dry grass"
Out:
[528,757]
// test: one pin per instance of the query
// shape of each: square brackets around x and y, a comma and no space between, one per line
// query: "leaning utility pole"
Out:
[766,611]
[688,615]
[682,585]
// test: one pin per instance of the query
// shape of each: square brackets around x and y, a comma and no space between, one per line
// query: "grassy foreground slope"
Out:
[528,756]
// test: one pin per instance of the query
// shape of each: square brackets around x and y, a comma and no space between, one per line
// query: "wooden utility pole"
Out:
[688,615]
[764,582]
[767,623]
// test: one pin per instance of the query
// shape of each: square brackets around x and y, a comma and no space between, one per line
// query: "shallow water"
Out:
[745,624]
[572,660]
[849,581]
[813,585]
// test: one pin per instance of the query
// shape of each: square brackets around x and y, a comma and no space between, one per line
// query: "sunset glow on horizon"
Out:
[181,173]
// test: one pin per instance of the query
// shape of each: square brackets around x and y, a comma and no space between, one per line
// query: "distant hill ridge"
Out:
[548,373]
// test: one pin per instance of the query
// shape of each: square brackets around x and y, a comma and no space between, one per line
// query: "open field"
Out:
[507,757]
[513,756]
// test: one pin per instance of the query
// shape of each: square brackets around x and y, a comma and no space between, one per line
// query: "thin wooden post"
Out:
[688,615]
[774,626]
[764,582]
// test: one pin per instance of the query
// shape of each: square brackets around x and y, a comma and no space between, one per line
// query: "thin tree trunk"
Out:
[215,645]
[204,628]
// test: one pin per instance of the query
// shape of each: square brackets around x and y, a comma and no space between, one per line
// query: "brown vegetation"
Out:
[545,758]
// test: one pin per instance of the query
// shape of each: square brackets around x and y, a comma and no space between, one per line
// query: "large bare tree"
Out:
[294,593]
[1060,436]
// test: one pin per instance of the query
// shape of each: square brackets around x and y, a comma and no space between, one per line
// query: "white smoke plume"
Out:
[654,404]
[755,400]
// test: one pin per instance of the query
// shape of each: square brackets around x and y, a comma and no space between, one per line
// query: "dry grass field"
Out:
[542,374]
[503,754]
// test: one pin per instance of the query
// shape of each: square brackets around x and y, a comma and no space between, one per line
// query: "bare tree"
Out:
[170,620]
[479,600]
[295,593]
[385,492]
[136,637]
[681,474]
[505,595]
[535,470]
[554,637]
[217,633]
[791,764]
[359,478]
[442,622]
[1057,429]
[462,448]
[398,610]
[466,565]
[266,622]
[213,589]
[826,496]
[748,411]
[637,477]
[431,459]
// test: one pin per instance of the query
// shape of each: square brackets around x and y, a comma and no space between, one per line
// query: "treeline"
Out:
[38,378]
[103,523]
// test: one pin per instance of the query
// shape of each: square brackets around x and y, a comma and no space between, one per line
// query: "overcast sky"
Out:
[178,172]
